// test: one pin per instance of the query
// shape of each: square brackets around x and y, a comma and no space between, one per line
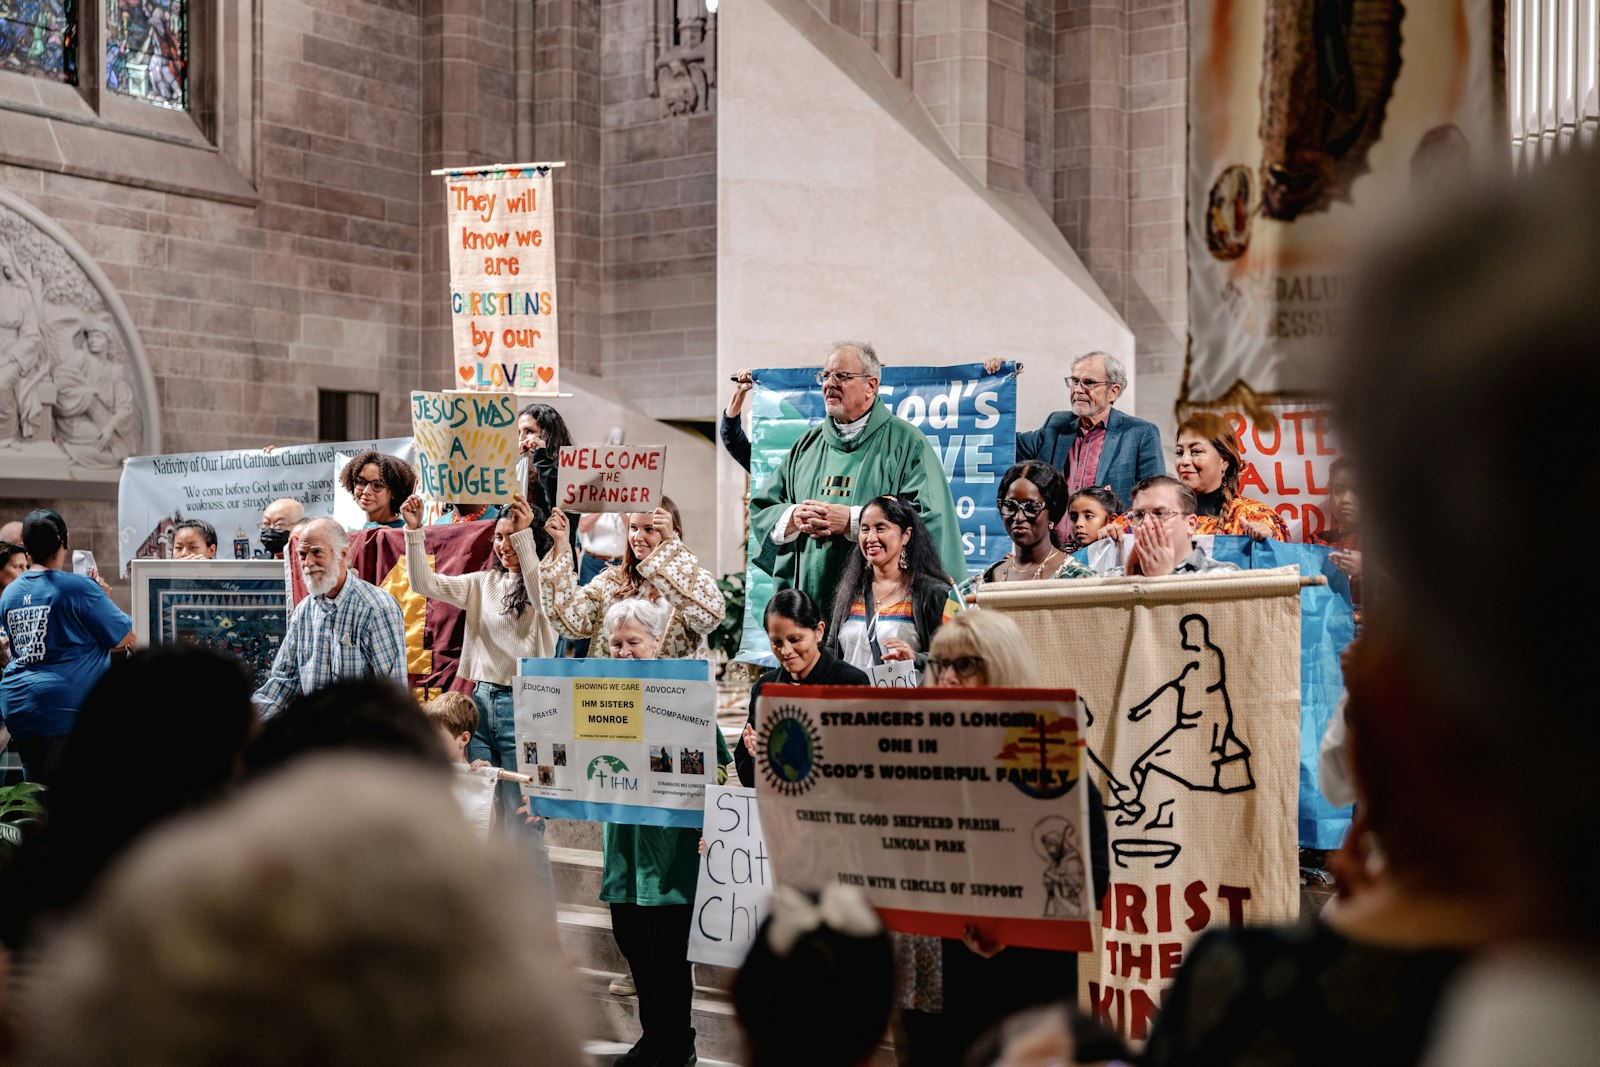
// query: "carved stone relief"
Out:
[76,397]
[682,58]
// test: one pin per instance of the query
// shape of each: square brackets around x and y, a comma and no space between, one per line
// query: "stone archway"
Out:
[76,393]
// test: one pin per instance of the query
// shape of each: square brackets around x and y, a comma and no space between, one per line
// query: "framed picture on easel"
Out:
[235,606]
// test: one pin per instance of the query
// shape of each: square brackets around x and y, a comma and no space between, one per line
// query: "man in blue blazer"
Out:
[1094,444]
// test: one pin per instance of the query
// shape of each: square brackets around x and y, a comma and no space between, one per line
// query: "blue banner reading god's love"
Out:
[968,415]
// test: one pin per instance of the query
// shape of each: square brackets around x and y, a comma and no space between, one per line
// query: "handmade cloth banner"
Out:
[617,740]
[1190,689]
[229,489]
[1327,625]
[970,417]
[735,884]
[434,629]
[611,477]
[947,807]
[500,226]
[466,446]
[1310,126]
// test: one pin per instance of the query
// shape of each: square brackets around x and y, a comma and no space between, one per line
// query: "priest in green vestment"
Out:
[806,517]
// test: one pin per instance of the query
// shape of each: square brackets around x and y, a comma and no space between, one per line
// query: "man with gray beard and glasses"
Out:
[346,628]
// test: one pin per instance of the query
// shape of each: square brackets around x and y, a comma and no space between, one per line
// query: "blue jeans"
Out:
[496,741]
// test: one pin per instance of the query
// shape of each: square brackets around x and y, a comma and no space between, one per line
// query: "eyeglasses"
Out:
[1158,514]
[1029,508]
[964,666]
[826,376]
[377,485]
[1084,383]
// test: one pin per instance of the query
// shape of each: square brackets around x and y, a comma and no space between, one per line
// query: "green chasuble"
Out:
[889,457]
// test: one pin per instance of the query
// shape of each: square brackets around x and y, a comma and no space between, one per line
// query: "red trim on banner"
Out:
[863,692]
[1062,935]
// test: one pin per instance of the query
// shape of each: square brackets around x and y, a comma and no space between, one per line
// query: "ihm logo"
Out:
[612,773]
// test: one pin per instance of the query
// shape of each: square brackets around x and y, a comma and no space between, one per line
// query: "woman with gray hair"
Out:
[649,881]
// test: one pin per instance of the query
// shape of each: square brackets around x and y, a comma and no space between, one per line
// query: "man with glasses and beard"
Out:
[1163,517]
[1094,444]
[346,628]
[806,517]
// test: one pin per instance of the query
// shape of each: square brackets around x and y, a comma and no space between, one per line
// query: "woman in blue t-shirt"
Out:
[63,628]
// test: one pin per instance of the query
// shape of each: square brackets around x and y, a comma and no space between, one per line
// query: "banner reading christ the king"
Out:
[1310,123]
[501,232]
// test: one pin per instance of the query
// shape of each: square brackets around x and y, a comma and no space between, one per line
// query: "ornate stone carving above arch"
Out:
[76,393]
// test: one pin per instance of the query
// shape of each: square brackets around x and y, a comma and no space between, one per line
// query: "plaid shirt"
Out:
[358,633]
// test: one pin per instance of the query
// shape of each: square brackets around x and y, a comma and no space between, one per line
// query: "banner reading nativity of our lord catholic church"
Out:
[501,233]
[1313,126]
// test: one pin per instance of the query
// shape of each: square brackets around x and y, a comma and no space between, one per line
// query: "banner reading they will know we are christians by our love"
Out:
[501,234]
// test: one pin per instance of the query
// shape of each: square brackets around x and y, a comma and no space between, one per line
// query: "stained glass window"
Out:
[40,37]
[147,50]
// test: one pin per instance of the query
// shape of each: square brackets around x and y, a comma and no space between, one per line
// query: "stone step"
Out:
[616,1019]
[573,833]
[576,872]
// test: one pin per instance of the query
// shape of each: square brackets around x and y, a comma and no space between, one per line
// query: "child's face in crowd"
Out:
[1087,516]
[191,544]
[1343,501]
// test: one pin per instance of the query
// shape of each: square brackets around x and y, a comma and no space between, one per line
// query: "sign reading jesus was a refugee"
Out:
[466,446]
[949,808]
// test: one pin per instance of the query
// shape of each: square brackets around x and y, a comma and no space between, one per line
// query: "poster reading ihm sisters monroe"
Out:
[1191,703]
[617,740]
[947,807]
[1311,126]
[501,232]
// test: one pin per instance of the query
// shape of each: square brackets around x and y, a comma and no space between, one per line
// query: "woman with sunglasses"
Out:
[795,628]
[982,982]
[1032,500]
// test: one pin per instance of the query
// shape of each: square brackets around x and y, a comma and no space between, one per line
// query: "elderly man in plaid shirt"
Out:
[346,628]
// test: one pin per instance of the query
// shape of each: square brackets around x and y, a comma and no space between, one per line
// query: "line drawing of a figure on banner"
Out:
[1196,746]
[1054,839]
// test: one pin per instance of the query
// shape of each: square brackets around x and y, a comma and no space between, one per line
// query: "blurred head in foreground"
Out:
[1471,712]
[338,913]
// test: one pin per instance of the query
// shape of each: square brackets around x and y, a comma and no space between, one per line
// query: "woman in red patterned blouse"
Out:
[1209,460]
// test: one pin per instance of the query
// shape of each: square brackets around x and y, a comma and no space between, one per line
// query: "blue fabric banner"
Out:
[968,415]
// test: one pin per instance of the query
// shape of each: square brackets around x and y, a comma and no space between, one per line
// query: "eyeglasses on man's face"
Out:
[964,666]
[1089,384]
[840,376]
[1029,508]
[1158,514]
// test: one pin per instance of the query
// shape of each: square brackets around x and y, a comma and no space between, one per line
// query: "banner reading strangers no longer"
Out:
[947,807]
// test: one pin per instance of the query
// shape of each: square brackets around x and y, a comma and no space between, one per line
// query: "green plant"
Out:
[20,806]
[726,637]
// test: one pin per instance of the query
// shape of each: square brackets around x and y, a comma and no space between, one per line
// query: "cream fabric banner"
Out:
[1191,690]
[501,233]
[1310,126]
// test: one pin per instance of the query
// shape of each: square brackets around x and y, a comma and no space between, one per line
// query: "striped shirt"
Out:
[358,633]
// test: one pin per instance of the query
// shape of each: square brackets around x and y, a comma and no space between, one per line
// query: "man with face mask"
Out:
[277,520]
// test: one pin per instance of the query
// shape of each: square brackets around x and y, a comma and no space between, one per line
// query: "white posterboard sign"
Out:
[735,885]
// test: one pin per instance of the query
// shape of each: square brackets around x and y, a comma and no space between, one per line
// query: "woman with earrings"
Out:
[894,593]
[1032,500]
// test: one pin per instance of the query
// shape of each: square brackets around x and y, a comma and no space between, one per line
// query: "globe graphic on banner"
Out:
[789,749]
[607,764]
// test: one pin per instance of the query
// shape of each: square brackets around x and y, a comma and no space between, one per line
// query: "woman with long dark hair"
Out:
[796,629]
[505,621]
[894,592]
